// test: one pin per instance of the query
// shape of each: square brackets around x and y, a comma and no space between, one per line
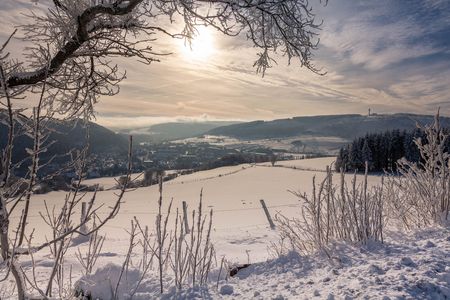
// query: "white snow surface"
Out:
[313,164]
[108,183]
[414,266]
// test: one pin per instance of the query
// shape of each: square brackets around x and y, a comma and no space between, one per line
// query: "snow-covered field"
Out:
[315,164]
[107,183]
[234,194]
[318,143]
[407,265]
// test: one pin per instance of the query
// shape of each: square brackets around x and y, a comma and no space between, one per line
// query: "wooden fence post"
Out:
[83,228]
[266,211]
[186,225]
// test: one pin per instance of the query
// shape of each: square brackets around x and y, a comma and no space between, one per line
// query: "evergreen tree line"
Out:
[381,150]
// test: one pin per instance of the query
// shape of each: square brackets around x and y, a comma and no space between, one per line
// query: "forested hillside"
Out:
[382,150]
[60,138]
[343,126]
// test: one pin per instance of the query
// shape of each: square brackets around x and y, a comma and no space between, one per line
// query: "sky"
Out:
[390,56]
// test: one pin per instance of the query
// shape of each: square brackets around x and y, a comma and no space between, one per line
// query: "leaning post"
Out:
[266,211]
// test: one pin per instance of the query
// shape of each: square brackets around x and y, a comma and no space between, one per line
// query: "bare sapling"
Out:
[193,253]
[201,250]
[179,261]
[189,256]
[164,239]
[122,286]
[63,227]
[127,260]
[222,263]
[90,257]
[334,213]
[148,255]
[279,247]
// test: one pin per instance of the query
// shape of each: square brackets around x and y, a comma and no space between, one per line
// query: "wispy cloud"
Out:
[388,55]
[127,122]
[383,33]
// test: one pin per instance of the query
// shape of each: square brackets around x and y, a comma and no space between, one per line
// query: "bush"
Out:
[420,197]
[331,213]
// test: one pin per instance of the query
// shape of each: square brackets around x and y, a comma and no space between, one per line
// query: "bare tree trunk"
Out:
[5,250]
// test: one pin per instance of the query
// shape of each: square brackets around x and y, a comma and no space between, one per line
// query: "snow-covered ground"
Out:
[415,266]
[315,164]
[317,143]
[406,265]
[234,193]
[108,183]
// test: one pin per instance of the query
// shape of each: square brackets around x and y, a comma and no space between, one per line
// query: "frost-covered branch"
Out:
[71,45]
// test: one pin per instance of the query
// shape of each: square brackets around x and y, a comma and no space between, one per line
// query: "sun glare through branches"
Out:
[201,47]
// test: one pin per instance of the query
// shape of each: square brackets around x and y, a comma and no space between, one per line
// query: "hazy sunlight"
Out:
[201,47]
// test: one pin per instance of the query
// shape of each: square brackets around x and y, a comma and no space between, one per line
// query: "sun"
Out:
[201,47]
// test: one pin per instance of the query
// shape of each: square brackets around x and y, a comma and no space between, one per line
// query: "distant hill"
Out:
[342,126]
[101,139]
[174,130]
[66,136]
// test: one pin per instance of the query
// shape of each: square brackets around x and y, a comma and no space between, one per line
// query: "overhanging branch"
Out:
[33,77]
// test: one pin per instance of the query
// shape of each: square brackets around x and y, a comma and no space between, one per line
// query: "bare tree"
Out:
[68,64]
[63,228]
[71,44]
[273,159]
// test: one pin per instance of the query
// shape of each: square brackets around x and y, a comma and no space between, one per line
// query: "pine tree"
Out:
[381,150]
[366,153]
[342,160]
[354,156]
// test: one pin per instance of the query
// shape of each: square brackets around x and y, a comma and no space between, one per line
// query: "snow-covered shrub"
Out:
[109,282]
[334,212]
[184,255]
[421,195]
[193,251]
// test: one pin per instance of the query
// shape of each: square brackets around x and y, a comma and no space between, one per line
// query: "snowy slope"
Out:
[415,266]
[241,233]
[314,164]
[233,193]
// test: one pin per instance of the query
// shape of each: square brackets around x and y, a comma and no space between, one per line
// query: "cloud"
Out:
[377,36]
[390,55]
[126,122]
